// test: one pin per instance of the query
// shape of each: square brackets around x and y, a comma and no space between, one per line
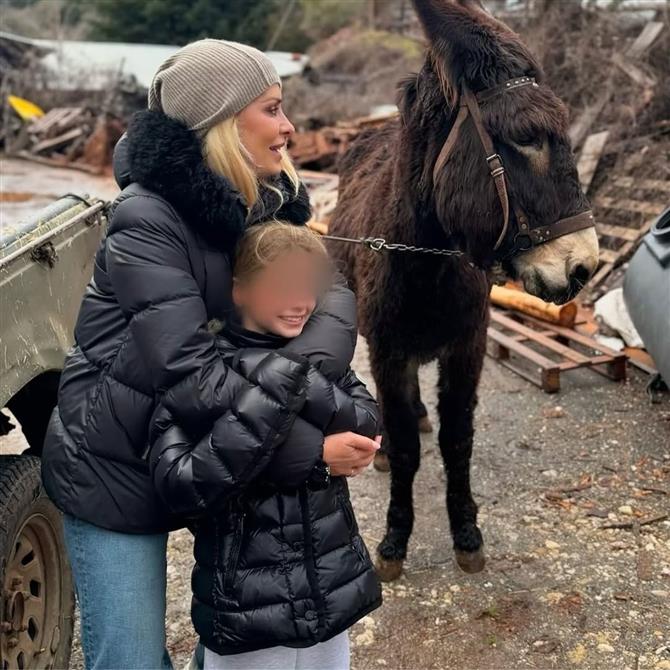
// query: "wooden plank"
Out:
[620,232]
[548,379]
[590,157]
[551,381]
[631,206]
[601,275]
[580,338]
[75,115]
[646,184]
[641,360]
[48,120]
[524,338]
[535,336]
[522,349]
[609,256]
[589,362]
[57,141]
[633,71]
[628,247]
[43,160]
[580,128]
[645,39]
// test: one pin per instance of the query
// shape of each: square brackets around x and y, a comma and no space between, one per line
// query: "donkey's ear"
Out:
[471,46]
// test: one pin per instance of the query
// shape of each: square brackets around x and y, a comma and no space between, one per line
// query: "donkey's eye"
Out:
[529,140]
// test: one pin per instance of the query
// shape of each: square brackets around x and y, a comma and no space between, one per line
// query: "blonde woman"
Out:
[207,159]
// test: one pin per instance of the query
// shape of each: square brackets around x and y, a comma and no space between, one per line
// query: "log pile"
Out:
[68,137]
[320,149]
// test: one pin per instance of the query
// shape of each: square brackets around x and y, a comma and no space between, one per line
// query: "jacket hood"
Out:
[164,156]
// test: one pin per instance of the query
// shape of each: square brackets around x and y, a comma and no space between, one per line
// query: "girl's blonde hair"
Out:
[225,154]
[265,242]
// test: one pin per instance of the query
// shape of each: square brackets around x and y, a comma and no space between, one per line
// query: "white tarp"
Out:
[95,65]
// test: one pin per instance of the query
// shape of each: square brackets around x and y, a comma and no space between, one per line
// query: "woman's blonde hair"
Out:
[263,243]
[225,154]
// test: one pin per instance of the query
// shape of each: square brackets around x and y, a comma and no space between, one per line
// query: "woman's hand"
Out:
[348,454]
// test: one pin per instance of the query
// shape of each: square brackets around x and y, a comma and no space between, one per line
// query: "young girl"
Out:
[281,570]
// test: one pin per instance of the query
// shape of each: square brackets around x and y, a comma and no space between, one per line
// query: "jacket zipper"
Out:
[310,561]
[234,553]
[349,516]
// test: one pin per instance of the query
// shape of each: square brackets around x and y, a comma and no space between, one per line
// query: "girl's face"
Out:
[280,298]
[265,130]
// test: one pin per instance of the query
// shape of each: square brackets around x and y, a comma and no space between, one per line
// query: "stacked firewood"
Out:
[320,149]
[69,136]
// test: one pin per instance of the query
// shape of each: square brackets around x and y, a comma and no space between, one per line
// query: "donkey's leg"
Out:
[403,449]
[459,376]
[425,426]
[381,461]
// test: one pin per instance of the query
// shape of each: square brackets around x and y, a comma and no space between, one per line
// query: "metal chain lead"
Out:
[380,244]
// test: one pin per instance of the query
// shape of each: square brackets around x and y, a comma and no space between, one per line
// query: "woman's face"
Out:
[265,130]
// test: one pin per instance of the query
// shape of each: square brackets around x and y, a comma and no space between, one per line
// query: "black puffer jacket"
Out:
[278,562]
[161,273]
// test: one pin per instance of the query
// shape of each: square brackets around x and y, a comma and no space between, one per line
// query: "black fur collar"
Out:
[164,156]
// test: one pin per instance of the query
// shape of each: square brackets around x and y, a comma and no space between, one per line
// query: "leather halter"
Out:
[526,236]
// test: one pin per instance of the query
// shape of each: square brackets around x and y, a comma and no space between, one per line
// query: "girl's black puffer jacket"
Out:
[161,273]
[278,560]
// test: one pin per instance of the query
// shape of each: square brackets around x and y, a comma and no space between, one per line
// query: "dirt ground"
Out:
[560,590]
[26,187]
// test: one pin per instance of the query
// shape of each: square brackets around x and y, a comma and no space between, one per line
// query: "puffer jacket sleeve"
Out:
[148,267]
[197,477]
[329,408]
[339,407]
[329,337]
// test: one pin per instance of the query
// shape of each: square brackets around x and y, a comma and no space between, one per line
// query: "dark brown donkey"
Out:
[436,178]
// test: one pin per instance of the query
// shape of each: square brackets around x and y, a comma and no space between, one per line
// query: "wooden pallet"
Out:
[547,350]
[622,221]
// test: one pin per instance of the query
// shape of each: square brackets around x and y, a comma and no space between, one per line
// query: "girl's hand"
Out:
[348,454]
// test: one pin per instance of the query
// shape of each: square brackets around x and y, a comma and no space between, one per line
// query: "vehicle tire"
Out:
[37,599]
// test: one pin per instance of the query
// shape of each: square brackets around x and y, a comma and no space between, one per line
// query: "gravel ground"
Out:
[559,590]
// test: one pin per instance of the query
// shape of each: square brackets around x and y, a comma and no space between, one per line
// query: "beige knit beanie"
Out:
[210,80]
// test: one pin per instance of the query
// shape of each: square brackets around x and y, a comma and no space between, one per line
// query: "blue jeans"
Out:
[120,581]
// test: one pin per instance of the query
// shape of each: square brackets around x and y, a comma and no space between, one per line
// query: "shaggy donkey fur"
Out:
[415,308]
[166,157]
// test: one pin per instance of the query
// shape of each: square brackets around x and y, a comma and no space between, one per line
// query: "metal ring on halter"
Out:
[376,244]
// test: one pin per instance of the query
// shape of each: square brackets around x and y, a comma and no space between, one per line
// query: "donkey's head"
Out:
[471,51]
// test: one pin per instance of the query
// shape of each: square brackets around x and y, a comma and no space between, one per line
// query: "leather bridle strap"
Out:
[493,160]
[469,106]
[525,237]
[562,227]
[451,140]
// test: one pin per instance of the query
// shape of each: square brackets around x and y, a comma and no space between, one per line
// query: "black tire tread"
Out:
[20,486]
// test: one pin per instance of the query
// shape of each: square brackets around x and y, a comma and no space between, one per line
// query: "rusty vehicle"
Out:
[45,264]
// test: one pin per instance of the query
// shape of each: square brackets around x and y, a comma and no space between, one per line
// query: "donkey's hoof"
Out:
[470,561]
[425,426]
[381,462]
[388,570]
